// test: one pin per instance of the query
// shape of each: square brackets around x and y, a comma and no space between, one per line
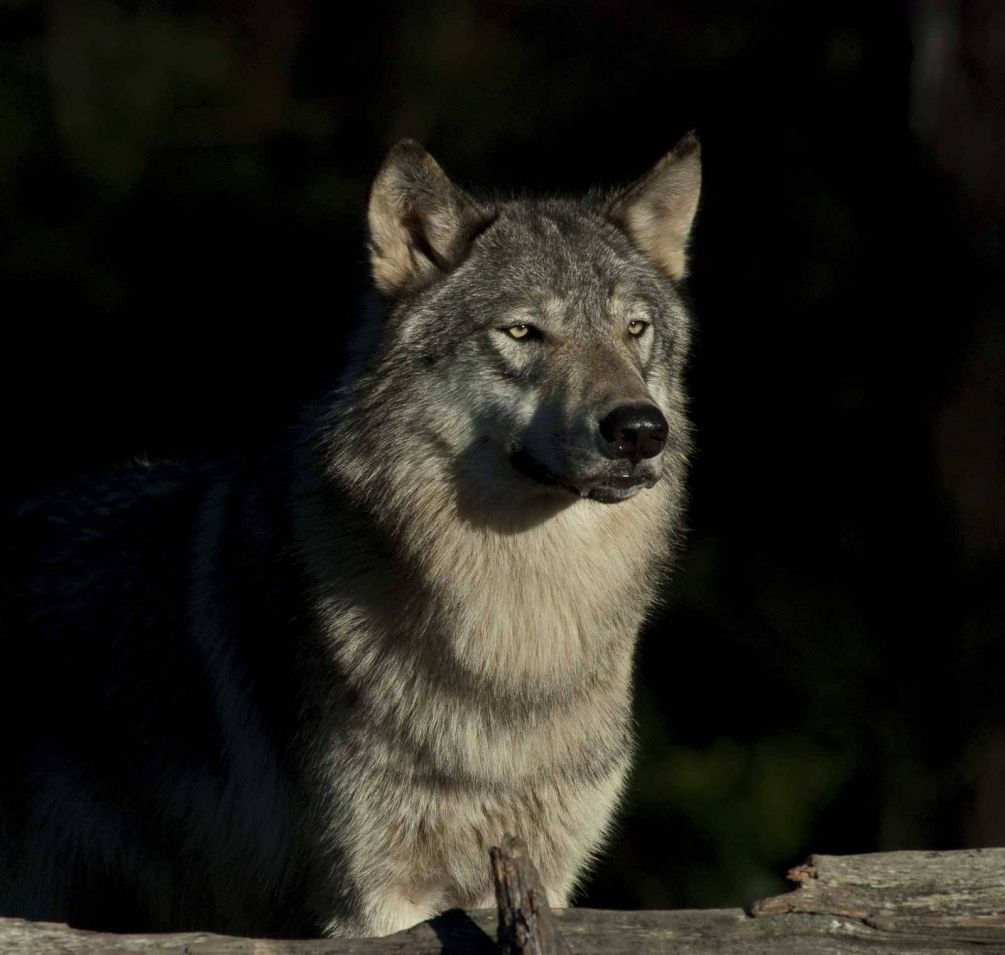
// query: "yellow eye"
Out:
[518,331]
[636,327]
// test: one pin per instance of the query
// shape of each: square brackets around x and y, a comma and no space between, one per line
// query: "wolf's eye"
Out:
[636,327]
[519,331]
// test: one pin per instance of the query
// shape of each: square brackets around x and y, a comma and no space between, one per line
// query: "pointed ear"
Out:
[421,225]
[657,210]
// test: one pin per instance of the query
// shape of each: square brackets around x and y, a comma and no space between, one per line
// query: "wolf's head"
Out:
[534,346]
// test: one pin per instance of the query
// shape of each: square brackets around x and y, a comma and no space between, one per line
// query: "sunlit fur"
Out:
[403,648]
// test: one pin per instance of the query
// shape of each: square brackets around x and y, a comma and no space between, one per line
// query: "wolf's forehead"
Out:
[554,256]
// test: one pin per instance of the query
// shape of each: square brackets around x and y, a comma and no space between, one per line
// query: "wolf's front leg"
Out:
[558,898]
[381,915]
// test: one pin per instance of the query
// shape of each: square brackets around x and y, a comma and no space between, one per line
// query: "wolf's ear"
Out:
[657,210]
[421,224]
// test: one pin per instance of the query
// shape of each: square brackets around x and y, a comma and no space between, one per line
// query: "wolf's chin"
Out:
[605,490]
[613,495]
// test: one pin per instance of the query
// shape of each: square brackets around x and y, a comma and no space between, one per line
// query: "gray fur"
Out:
[308,693]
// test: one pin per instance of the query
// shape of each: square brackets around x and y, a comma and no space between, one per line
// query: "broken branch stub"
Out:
[527,925]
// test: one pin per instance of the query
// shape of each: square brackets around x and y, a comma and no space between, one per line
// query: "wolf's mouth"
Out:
[607,488]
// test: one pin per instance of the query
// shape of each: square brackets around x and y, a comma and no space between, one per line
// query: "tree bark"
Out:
[526,924]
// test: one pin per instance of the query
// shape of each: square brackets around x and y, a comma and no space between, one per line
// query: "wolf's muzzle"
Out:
[634,432]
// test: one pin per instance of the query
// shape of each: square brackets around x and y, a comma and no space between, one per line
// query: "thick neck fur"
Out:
[530,600]
[488,611]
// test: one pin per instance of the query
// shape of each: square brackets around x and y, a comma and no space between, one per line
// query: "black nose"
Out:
[634,431]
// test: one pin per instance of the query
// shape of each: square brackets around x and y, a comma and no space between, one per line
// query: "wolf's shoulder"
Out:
[130,502]
[117,492]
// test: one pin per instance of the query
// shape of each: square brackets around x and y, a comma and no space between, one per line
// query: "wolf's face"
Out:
[549,333]
[561,343]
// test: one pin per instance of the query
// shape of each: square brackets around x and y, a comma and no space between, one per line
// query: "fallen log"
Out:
[895,903]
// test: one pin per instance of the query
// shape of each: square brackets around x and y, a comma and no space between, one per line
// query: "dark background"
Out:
[182,187]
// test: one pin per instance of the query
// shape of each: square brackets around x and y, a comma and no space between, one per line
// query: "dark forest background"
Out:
[182,187]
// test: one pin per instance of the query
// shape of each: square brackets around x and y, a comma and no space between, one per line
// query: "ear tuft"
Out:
[421,225]
[657,211]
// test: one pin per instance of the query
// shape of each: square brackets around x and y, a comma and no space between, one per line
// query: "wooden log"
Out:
[899,903]
[957,894]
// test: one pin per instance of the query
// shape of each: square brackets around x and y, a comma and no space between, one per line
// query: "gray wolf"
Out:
[306,693]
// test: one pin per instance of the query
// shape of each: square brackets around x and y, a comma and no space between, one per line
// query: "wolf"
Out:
[305,692]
